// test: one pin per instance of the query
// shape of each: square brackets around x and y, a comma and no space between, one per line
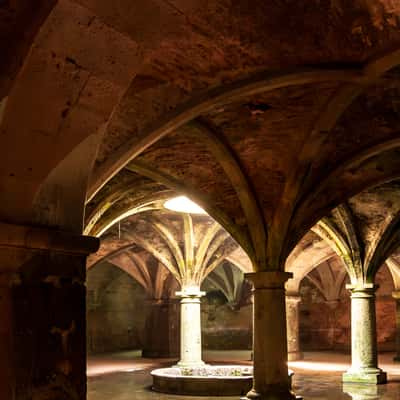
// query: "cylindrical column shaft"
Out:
[364,354]
[190,328]
[363,330]
[396,296]
[332,305]
[270,380]
[292,318]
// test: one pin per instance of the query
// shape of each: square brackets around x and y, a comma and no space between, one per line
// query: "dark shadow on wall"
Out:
[120,317]
[225,327]
[116,310]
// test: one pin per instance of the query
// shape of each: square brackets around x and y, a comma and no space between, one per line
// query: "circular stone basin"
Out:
[210,380]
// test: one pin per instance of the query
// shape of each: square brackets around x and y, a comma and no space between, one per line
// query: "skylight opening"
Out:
[184,205]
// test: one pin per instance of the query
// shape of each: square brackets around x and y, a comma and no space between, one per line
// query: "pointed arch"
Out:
[385,242]
[327,231]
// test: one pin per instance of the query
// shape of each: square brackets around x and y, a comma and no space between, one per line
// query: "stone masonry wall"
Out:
[325,325]
[224,328]
[116,313]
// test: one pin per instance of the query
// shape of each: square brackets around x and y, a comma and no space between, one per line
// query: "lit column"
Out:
[292,317]
[364,354]
[190,327]
[270,376]
[396,296]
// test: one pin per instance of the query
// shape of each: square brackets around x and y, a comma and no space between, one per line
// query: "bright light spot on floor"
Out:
[103,367]
[318,366]
[184,205]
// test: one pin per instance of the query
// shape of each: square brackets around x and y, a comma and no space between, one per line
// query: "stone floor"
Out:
[125,376]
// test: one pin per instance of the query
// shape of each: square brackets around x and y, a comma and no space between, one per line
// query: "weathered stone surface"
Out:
[325,324]
[364,353]
[162,329]
[295,107]
[42,301]
[116,311]
[204,381]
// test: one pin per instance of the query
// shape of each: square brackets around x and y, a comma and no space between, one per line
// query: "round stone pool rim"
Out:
[166,381]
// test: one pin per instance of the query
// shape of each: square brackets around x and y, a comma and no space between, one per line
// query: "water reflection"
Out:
[363,392]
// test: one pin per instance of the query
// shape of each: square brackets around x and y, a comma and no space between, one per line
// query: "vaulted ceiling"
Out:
[267,114]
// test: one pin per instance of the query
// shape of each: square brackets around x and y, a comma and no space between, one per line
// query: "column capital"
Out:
[191,292]
[38,238]
[332,303]
[364,290]
[293,297]
[268,279]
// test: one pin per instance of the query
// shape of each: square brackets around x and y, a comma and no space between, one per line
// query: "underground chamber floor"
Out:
[126,376]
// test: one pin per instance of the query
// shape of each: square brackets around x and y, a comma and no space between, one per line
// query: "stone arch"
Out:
[309,258]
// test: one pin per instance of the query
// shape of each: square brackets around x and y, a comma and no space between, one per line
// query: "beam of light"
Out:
[184,205]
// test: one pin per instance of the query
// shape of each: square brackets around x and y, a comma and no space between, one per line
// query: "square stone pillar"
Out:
[42,308]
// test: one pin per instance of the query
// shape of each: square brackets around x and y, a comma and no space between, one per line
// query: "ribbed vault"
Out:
[264,128]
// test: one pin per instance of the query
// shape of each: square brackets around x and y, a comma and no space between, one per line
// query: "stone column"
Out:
[43,318]
[270,379]
[396,296]
[252,305]
[332,305]
[163,317]
[292,319]
[190,327]
[364,354]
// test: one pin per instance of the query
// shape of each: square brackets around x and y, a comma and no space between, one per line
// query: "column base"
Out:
[197,364]
[271,395]
[371,376]
[295,355]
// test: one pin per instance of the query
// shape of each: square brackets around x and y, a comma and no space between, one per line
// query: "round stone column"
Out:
[190,327]
[270,380]
[396,296]
[332,305]
[364,354]
[292,319]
